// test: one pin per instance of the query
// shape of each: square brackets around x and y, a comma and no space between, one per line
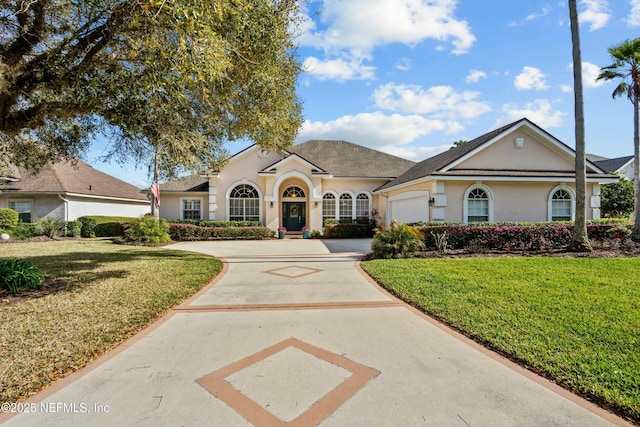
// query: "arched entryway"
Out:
[294,208]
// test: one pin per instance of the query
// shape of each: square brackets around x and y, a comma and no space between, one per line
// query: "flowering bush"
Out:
[282,229]
[511,237]
[305,228]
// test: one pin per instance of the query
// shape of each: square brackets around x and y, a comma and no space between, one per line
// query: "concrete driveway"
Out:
[293,333]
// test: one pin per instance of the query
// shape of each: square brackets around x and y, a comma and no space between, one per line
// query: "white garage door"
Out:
[413,209]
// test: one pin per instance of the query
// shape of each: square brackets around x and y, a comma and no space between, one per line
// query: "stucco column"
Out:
[213,206]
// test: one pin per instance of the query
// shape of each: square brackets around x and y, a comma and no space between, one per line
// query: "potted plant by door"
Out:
[305,232]
[281,232]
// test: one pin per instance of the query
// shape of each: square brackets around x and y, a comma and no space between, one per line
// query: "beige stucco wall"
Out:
[534,155]
[170,204]
[512,201]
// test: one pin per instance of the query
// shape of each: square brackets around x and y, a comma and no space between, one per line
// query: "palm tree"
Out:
[626,67]
[579,240]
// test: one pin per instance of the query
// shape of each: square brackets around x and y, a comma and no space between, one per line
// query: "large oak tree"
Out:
[176,78]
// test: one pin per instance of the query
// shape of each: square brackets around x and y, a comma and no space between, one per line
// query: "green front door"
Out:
[294,217]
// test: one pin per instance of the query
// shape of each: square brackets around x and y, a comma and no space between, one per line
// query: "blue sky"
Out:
[410,77]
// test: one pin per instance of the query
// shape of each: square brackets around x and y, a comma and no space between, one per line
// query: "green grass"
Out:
[575,320]
[112,292]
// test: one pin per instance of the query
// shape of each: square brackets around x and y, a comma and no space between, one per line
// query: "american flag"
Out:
[155,190]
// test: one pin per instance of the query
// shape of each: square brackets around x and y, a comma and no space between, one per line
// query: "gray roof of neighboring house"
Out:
[345,159]
[65,177]
[191,183]
[613,165]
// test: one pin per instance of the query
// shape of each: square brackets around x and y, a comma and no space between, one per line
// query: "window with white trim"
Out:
[363,205]
[295,192]
[345,206]
[244,203]
[561,203]
[477,206]
[328,207]
[191,208]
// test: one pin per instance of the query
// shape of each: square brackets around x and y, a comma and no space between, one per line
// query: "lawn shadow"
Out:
[80,269]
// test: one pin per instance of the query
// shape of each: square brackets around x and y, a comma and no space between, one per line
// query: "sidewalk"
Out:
[292,333]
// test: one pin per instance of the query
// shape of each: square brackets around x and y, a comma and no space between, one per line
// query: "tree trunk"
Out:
[635,235]
[579,239]
[155,212]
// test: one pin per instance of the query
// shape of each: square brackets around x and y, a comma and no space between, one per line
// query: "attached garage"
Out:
[412,206]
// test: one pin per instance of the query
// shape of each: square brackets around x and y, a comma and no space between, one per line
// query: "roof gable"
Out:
[65,177]
[293,157]
[449,161]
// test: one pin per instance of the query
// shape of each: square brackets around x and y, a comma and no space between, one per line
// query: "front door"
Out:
[294,217]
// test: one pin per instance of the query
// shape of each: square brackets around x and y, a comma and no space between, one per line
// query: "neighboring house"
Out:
[67,192]
[516,173]
[620,165]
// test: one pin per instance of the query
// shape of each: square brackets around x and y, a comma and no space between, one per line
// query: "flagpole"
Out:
[155,195]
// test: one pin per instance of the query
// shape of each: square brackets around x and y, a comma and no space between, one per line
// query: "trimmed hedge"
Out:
[348,230]
[528,237]
[104,226]
[207,223]
[189,232]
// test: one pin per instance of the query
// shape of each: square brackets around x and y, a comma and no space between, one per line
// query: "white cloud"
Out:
[545,11]
[539,111]
[441,102]
[634,15]
[375,129]
[596,13]
[338,69]
[362,25]
[404,64]
[530,78]
[474,76]
[566,88]
[590,73]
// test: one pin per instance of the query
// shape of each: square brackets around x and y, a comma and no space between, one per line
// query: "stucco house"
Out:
[518,172]
[67,192]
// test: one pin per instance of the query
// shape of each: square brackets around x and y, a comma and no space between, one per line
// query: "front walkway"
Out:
[292,333]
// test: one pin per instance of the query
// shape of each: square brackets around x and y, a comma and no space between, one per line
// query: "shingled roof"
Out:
[347,160]
[613,165]
[67,178]
[191,183]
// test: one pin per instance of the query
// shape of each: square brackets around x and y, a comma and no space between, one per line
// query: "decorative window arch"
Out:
[562,204]
[294,192]
[244,203]
[345,206]
[363,205]
[478,204]
[329,203]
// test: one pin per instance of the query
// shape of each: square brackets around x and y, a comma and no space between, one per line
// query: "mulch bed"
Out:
[50,286]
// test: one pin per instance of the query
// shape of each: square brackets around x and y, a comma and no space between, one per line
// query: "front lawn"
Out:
[109,292]
[575,320]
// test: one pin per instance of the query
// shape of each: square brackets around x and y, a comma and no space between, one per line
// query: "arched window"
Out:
[561,205]
[478,204]
[328,207]
[293,192]
[346,206]
[363,205]
[244,203]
